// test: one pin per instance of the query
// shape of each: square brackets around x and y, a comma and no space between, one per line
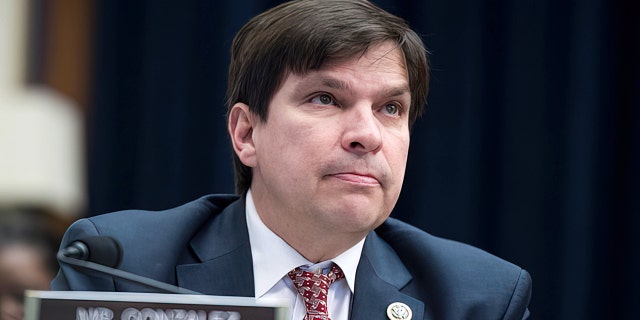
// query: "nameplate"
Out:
[90,305]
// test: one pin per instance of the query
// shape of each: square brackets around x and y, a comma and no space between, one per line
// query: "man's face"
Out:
[333,150]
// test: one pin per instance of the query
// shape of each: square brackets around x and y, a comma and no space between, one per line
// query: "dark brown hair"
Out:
[301,36]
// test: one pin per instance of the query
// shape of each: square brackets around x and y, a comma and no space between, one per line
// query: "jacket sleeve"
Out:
[69,278]
[518,306]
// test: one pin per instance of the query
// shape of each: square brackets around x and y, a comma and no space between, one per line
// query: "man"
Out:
[321,98]
[25,264]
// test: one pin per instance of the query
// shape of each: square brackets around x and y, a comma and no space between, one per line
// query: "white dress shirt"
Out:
[273,258]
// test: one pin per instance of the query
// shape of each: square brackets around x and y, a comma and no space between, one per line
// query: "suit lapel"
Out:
[223,248]
[379,280]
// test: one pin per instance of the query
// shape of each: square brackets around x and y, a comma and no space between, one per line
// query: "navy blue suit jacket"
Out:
[204,246]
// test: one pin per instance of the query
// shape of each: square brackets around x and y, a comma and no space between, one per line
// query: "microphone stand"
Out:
[151,283]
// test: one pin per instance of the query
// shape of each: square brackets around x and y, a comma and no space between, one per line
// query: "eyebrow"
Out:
[337,84]
[398,91]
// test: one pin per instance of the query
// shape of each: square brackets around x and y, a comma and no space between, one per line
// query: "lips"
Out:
[358,178]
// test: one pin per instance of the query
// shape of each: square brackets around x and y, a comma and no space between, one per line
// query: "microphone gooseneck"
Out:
[103,254]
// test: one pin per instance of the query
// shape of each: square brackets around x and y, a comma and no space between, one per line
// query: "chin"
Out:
[359,216]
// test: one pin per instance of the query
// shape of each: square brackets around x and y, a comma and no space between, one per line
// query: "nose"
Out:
[362,131]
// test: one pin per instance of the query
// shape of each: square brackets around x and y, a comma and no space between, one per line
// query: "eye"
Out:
[391,109]
[323,99]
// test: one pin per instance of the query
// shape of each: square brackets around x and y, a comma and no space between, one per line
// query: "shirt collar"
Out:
[273,258]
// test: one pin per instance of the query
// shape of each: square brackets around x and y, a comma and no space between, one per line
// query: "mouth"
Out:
[357,178]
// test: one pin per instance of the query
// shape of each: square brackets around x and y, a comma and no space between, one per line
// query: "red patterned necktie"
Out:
[314,287]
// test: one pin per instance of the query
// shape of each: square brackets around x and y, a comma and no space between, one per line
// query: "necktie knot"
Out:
[314,287]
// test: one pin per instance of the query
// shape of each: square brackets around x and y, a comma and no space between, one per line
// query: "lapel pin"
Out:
[399,311]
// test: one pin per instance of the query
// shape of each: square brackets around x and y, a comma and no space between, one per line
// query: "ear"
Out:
[240,126]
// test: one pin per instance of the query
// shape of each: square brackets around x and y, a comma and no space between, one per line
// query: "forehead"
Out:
[383,57]
[382,64]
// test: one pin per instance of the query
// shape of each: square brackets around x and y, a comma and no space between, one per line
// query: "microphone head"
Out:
[103,250]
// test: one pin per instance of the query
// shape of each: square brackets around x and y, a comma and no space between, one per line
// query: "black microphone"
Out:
[104,250]
[104,254]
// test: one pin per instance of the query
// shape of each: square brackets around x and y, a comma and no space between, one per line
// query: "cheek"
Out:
[290,143]
[397,155]
[398,163]
[398,152]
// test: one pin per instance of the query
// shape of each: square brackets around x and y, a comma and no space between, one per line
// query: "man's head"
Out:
[302,36]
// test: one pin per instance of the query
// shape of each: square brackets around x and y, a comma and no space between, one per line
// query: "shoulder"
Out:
[409,241]
[144,233]
[149,223]
[152,241]
[453,270]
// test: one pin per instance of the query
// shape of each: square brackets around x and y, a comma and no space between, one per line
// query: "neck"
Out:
[314,245]
[314,242]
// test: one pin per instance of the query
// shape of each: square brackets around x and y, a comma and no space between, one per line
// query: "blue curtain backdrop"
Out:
[529,148]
